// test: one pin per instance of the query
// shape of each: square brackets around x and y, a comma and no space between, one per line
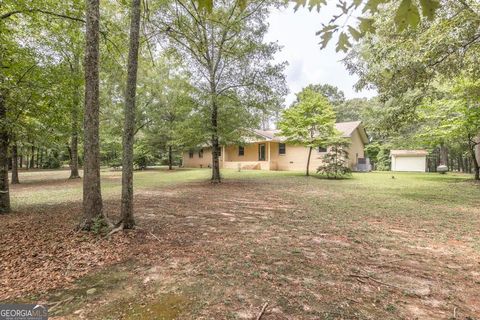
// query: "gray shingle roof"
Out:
[347,128]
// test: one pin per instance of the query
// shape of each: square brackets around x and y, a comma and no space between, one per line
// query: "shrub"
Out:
[383,160]
[335,161]
[142,157]
[52,161]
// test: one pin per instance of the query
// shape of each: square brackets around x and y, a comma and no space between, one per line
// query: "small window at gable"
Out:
[282,148]
[241,151]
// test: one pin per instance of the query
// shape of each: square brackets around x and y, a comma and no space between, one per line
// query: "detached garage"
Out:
[409,160]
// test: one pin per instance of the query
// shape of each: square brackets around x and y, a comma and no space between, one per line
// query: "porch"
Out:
[254,156]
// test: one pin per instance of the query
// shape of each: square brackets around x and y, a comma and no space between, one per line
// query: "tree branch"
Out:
[58,15]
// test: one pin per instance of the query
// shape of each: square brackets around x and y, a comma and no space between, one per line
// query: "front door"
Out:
[261,151]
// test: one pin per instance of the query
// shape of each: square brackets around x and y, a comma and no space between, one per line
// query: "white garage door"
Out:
[409,164]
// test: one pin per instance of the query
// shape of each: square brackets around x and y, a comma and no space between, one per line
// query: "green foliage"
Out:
[382,161]
[169,103]
[454,116]
[142,156]
[416,68]
[52,161]
[335,162]
[237,84]
[99,226]
[353,110]
[406,13]
[396,62]
[334,95]
[348,109]
[372,150]
[310,121]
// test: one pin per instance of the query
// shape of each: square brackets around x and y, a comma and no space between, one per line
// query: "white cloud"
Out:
[295,31]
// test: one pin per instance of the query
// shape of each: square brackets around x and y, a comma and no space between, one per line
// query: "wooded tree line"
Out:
[190,77]
[427,80]
[204,70]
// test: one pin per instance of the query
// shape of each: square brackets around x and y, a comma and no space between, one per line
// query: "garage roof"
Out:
[410,153]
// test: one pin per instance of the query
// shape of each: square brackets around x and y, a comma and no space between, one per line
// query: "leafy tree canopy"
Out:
[355,19]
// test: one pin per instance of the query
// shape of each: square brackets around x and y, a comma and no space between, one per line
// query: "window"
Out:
[322,149]
[282,149]
[262,148]
[200,153]
[190,154]
[241,151]
[219,151]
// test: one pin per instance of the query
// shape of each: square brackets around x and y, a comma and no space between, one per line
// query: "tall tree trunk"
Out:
[25,158]
[15,179]
[170,165]
[308,161]
[4,192]
[443,155]
[40,162]
[37,159]
[215,145]
[92,195]
[21,160]
[32,157]
[477,150]
[74,136]
[476,166]
[129,126]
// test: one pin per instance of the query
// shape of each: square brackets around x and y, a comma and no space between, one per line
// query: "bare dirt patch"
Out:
[221,251]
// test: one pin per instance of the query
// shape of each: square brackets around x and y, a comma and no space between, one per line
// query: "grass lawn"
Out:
[376,246]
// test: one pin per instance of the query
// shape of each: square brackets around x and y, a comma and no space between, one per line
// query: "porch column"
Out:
[268,155]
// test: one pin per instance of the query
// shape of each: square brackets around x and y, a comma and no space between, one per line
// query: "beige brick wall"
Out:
[356,148]
[295,158]
[196,161]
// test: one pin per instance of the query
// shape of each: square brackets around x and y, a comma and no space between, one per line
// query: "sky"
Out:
[295,32]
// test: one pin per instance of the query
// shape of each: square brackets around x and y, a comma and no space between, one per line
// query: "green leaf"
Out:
[206,5]
[327,28]
[366,25]
[326,37]
[326,34]
[355,33]
[406,15]
[357,3]
[429,7]
[372,5]
[316,4]
[311,4]
[243,4]
[343,44]
[299,3]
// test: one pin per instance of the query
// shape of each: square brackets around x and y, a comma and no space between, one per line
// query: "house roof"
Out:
[411,153]
[346,128]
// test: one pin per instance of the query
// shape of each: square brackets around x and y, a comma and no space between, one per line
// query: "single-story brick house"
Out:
[268,151]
